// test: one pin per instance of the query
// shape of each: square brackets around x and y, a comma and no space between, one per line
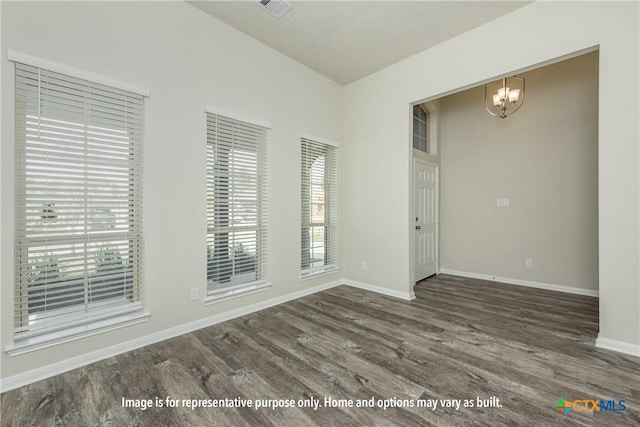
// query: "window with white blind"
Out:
[319,208]
[78,224]
[236,206]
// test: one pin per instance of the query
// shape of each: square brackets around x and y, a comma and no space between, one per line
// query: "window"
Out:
[236,206]
[420,128]
[78,234]
[319,207]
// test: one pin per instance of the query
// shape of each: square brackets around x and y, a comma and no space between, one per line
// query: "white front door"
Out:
[425,178]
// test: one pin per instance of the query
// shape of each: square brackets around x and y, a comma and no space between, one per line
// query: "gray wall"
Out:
[544,159]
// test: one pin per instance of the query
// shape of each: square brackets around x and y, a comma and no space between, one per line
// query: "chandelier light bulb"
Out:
[502,93]
[514,95]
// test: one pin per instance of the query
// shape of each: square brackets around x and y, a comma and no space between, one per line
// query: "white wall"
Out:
[377,215]
[188,60]
[544,158]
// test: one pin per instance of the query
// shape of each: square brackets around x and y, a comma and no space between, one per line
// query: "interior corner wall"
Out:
[544,159]
[188,60]
[377,150]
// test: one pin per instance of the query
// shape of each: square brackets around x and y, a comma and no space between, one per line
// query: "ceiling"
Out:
[348,40]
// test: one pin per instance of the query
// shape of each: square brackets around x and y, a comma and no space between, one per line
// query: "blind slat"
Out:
[78,201]
[236,202]
[318,236]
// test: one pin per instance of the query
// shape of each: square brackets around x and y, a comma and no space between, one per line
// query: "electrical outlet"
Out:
[195,294]
[363,265]
[528,263]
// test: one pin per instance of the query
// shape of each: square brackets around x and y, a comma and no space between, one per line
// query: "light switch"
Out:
[502,202]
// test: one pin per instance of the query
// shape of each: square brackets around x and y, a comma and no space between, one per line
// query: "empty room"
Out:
[288,213]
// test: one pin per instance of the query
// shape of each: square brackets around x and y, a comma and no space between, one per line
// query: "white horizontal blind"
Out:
[236,202]
[319,206]
[78,237]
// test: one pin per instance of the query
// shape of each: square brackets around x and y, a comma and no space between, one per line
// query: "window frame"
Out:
[218,292]
[423,122]
[38,329]
[311,146]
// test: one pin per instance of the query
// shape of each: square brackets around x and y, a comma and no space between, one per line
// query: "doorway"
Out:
[535,229]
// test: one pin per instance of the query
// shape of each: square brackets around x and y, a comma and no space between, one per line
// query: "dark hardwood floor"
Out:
[460,339]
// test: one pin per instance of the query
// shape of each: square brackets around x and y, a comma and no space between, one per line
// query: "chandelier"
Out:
[504,97]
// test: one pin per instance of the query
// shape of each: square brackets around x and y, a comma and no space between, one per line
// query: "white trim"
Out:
[407,296]
[232,292]
[23,58]
[68,321]
[320,140]
[230,115]
[317,272]
[520,282]
[619,346]
[40,342]
[426,157]
[57,368]
[429,162]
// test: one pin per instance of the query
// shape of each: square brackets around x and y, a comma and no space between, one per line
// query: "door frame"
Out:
[412,262]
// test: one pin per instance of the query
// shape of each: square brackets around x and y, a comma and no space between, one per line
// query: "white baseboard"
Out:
[519,282]
[57,368]
[407,296]
[619,346]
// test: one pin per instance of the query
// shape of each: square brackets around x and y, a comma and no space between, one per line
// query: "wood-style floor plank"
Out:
[459,339]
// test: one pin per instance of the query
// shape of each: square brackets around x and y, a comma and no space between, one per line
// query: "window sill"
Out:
[38,342]
[317,273]
[231,292]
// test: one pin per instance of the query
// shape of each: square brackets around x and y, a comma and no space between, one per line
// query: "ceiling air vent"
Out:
[275,7]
